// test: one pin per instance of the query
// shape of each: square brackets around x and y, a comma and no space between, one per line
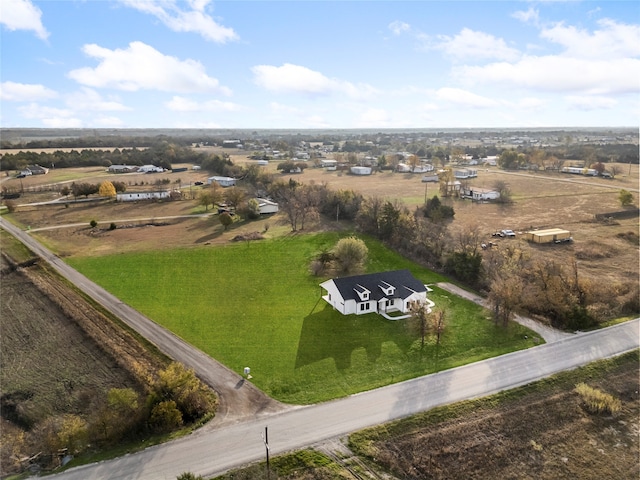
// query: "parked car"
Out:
[508,233]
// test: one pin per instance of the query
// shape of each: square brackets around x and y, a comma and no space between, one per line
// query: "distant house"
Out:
[34,170]
[478,194]
[267,206]
[384,293]
[150,169]
[136,196]
[329,164]
[431,177]
[465,173]
[361,170]
[122,169]
[222,181]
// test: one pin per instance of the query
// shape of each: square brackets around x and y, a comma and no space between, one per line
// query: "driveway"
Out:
[549,334]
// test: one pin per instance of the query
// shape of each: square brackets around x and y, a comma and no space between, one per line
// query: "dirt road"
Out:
[239,399]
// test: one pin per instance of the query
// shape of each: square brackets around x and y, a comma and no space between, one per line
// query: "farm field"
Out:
[255,304]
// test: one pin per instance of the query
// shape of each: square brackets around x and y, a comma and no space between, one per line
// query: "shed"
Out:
[549,235]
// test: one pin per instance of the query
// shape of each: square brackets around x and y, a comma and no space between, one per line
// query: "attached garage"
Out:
[550,235]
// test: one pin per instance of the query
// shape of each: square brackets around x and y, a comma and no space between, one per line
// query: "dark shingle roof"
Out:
[403,281]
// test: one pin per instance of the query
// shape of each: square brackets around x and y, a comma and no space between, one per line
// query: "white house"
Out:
[382,293]
[222,181]
[479,194]
[267,206]
[150,169]
[361,170]
[465,173]
[135,196]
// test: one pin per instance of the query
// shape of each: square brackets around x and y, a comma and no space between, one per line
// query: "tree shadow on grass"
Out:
[329,334]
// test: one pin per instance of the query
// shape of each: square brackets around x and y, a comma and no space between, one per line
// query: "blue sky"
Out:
[322,64]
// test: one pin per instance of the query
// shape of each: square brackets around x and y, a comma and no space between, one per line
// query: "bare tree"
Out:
[419,321]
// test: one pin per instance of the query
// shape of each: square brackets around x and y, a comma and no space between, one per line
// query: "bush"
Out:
[93,224]
[112,226]
[165,416]
[596,401]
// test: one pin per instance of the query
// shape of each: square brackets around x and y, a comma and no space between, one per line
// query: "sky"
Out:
[319,64]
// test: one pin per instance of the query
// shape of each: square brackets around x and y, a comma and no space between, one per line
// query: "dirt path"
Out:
[549,334]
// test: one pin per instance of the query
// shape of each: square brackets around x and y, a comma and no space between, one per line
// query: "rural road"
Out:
[212,452]
[236,439]
[238,399]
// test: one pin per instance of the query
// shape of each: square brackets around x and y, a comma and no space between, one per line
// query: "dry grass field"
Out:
[604,250]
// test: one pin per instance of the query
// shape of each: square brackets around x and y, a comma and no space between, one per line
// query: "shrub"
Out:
[165,416]
[93,224]
[596,401]
[112,226]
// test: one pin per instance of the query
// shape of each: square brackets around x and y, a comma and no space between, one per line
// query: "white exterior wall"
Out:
[132,197]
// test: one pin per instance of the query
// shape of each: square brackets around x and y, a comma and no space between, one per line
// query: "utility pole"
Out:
[265,439]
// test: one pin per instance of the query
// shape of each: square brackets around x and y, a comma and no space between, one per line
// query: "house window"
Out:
[364,307]
[329,297]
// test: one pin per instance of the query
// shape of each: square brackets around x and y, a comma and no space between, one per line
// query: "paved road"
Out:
[212,452]
[237,439]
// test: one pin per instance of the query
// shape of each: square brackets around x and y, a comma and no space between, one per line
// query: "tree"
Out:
[189,476]
[419,321]
[511,159]
[107,189]
[504,190]
[438,323]
[205,199]
[625,197]
[225,219]
[234,196]
[350,255]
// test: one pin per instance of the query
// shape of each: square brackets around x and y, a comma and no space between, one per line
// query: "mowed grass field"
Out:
[255,304]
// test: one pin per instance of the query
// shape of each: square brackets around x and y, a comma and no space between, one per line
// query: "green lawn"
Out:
[255,304]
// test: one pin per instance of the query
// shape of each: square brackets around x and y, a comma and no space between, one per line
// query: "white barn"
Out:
[382,293]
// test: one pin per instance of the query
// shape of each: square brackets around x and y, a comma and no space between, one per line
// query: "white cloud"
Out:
[196,19]
[398,27]
[51,117]
[464,98]
[20,92]
[22,15]
[141,67]
[182,104]
[612,40]
[88,99]
[527,16]
[558,74]
[297,79]
[473,45]
[590,102]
